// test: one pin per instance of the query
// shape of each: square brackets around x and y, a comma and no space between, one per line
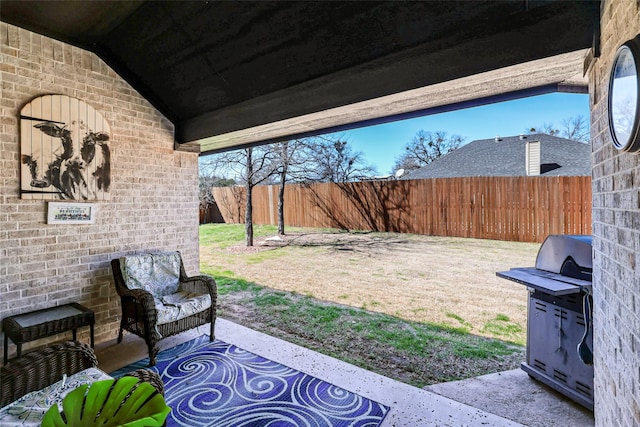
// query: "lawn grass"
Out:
[362,337]
[222,235]
[418,353]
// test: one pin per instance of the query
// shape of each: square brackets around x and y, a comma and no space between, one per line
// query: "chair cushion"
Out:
[158,274]
[180,305]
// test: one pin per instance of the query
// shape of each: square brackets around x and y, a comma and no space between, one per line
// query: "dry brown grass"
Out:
[441,280]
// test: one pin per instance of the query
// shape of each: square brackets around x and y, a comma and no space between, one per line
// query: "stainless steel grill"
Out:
[559,336]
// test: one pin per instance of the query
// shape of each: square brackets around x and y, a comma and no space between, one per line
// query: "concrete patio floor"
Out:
[505,399]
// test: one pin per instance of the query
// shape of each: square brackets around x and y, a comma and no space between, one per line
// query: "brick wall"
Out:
[153,206]
[616,229]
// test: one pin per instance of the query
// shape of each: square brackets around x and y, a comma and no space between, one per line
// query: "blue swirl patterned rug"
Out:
[218,384]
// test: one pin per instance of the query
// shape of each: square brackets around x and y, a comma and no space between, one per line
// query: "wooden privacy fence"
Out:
[525,209]
[210,213]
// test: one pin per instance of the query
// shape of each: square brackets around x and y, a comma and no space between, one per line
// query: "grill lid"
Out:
[563,266]
[568,255]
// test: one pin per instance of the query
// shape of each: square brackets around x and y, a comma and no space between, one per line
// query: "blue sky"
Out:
[382,144]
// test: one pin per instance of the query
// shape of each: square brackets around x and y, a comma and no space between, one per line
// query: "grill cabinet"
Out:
[559,296]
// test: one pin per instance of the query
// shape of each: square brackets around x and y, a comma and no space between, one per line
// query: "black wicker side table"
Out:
[38,324]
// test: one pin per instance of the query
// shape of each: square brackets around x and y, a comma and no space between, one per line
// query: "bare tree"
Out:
[206,182]
[425,147]
[575,128]
[546,128]
[319,159]
[251,166]
[331,159]
[316,159]
[623,117]
[290,159]
[204,191]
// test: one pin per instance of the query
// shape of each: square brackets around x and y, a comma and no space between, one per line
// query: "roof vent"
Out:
[522,137]
[532,158]
[498,139]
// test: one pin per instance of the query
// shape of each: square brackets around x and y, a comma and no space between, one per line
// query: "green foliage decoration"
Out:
[118,402]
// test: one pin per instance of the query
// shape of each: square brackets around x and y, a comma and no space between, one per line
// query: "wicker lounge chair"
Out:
[40,368]
[143,304]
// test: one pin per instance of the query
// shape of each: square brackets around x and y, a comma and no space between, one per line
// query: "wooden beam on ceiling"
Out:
[558,73]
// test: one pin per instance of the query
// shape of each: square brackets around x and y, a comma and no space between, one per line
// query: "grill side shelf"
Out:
[551,283]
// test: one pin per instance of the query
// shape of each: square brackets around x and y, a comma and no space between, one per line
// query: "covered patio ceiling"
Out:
[231,74]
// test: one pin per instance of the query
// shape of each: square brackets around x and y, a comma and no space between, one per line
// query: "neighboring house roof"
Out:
[505,156]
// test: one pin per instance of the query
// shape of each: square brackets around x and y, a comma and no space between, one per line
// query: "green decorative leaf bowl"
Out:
[119,402]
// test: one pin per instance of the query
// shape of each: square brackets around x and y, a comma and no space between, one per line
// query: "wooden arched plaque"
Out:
[65,152]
